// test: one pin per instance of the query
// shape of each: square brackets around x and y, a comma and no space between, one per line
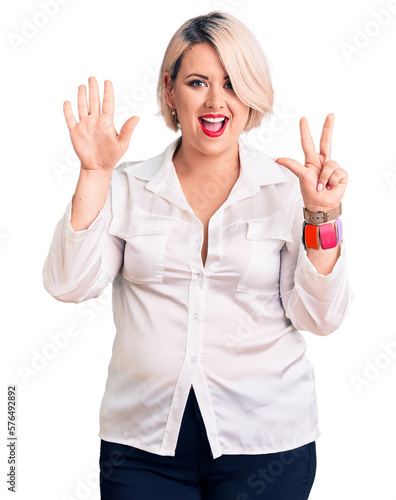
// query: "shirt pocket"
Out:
[267,238]
[145,238]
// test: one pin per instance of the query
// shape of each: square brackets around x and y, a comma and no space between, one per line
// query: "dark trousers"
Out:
[128,473]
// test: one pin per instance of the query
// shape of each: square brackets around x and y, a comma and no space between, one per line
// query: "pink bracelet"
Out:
[328,237]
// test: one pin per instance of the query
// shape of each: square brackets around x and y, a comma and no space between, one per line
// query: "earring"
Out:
[173,112]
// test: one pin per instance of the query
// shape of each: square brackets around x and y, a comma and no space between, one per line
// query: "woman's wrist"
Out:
[89,197]
[324,260]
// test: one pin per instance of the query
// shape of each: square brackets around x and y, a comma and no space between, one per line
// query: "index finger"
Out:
[326,137]
[307,142]
[70,119]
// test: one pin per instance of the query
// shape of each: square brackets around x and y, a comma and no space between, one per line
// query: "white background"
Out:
[321,61]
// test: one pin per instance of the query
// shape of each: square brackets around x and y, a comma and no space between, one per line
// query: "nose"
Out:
[214,98]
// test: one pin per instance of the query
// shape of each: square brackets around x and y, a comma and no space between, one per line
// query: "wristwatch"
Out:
[321,217]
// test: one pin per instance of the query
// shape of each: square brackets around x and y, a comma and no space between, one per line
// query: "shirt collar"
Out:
[257,169]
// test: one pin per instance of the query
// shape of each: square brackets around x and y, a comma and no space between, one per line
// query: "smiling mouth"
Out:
[213,128]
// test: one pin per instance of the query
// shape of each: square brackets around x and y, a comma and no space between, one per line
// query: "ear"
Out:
[168,88]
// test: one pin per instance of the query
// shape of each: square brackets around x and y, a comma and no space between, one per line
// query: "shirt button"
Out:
[195,316]
[199,275]
[193,359]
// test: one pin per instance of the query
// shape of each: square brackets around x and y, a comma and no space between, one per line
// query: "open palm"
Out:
[94,138]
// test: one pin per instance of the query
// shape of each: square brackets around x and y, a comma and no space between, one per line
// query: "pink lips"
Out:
[210,133]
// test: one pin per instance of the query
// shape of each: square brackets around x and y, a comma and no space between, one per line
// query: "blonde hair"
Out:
[240,54]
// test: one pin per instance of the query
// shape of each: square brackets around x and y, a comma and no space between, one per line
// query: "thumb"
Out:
[293,165]
[126,131]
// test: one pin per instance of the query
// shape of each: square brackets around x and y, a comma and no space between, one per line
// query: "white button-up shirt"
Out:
[229,327]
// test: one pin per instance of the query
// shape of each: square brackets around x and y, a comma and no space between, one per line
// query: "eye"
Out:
[230,85]
[195,83]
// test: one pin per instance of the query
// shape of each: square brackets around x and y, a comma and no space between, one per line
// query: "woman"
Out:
[209,394]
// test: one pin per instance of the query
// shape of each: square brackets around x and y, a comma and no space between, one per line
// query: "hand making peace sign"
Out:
[322,180]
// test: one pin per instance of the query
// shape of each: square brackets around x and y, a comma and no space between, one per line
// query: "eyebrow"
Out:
[204,77]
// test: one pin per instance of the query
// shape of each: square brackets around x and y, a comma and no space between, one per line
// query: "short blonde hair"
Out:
[240,54]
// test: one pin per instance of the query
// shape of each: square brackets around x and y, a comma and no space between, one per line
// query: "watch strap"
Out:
[321,217]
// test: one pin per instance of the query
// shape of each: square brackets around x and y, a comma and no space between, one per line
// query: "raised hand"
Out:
[322,180]
[94,138]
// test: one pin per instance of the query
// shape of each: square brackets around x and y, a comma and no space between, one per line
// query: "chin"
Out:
[223,145]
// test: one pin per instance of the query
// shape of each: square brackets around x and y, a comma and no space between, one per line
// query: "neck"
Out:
[192,162]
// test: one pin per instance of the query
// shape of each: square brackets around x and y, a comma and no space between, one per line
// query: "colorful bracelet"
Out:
[311,236]
[328,236]
[339,230]
[324,236]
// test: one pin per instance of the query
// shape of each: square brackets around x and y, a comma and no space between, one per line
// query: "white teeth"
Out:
[214,120]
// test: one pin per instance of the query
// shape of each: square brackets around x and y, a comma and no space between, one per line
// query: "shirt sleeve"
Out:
[80,264]
[313,302]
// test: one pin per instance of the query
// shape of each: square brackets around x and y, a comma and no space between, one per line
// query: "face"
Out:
[202,88]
